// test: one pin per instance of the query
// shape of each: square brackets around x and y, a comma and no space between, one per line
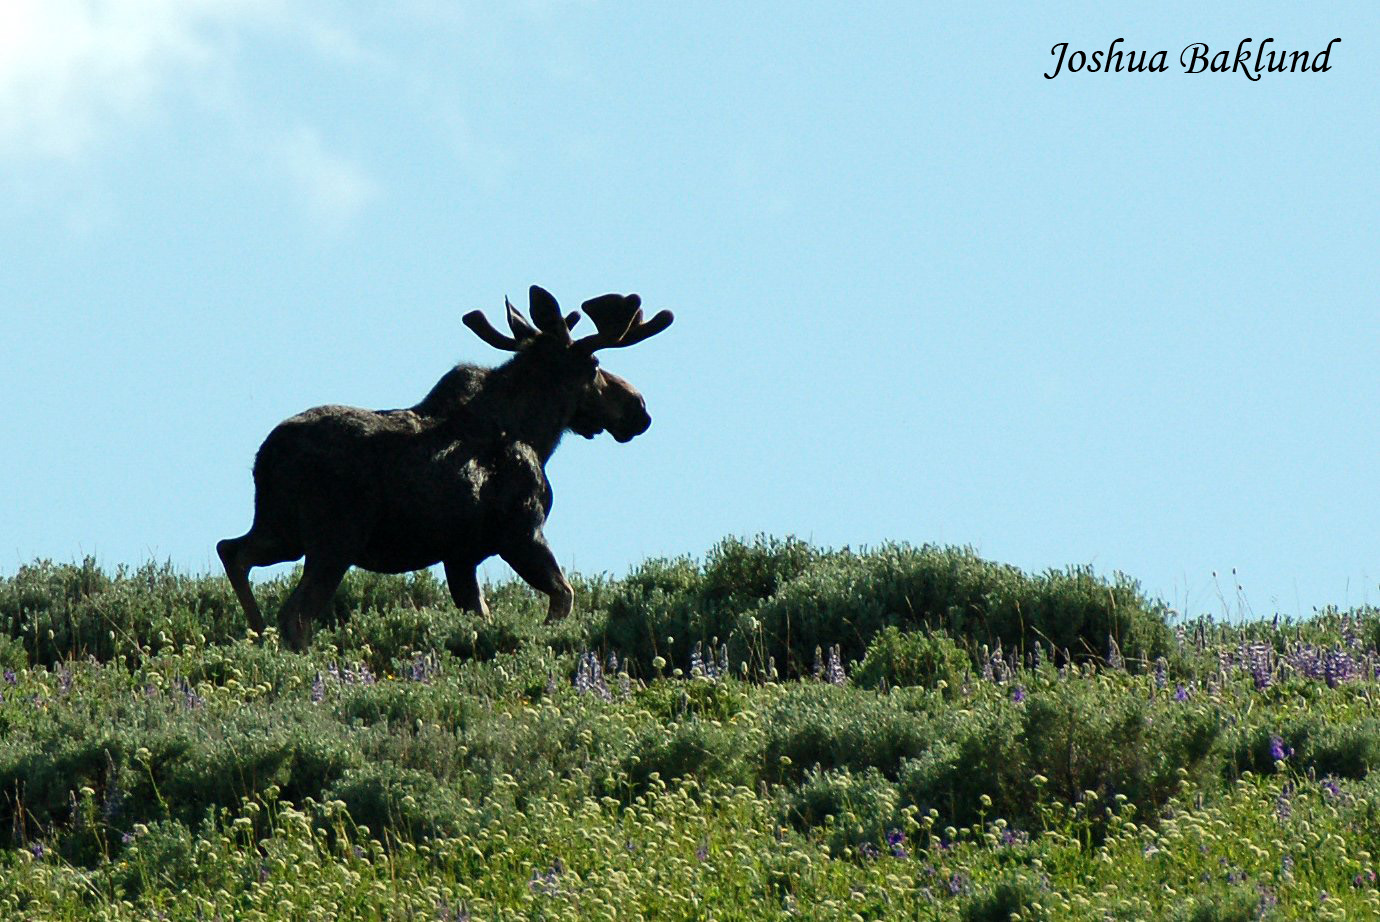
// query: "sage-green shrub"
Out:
[896,658]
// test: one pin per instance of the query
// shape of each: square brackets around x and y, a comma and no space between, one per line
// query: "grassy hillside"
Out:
[774,732]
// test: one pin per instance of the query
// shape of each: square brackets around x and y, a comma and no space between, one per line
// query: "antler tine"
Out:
[640,331]
[546,314]
[522,330]
[477,322]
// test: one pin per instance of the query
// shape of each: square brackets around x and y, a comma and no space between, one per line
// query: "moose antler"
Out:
[546,314]
[544,311]
[522,330]
[618,319]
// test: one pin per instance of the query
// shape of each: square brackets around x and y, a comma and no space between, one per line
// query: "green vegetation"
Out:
[775,732]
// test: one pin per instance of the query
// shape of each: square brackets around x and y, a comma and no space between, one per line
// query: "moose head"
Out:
[602,401]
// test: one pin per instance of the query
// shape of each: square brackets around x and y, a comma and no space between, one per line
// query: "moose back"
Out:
[454,480]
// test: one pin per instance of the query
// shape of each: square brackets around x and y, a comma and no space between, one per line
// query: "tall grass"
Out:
[778,730]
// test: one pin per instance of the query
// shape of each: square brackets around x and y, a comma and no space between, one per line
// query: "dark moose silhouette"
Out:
[455,479]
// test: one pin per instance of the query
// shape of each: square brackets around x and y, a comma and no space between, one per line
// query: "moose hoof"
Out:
[560,608]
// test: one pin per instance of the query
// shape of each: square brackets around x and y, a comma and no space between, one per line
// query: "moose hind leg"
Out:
[464,587]
[537,566]
[242,554]
[320,579]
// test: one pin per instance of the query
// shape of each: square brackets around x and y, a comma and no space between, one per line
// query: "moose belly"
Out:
[422,520]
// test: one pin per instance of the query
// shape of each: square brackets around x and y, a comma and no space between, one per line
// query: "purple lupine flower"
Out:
[422,668]
[697,660]
[548,883]
[64,679]
[1018,694]
[589,677]
[127,838]
[11,678]
[190,699]
[1114,658]
[957,883]
[318,690]
[1180,693]
[702,853]
[1279,751]
[36,849]
[1338,667]
[446,913]
[1284,807]
[998,663]
[1161,673]
[896,841]
[1350,636]
[1258,660]
[114,800]
[1330,788]
[833,667]
[869,851]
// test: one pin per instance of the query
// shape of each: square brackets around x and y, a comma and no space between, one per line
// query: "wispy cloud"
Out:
[333,188]
[74,71]
[78,74]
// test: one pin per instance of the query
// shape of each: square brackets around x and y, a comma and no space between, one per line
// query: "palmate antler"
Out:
[618,319]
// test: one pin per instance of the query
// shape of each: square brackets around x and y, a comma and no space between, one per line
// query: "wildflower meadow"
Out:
[776,731]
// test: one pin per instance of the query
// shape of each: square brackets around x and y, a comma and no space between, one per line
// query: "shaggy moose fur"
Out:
[454,480]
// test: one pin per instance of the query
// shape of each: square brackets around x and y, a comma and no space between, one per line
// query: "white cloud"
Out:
[74,71]
[334,188]
[78,74]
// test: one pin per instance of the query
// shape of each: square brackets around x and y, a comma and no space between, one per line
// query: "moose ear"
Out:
[546,313]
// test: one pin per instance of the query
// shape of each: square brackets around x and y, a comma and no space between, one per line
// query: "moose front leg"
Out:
[534,562]
[464,587]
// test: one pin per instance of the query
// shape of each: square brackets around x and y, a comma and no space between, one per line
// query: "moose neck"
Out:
[530,402]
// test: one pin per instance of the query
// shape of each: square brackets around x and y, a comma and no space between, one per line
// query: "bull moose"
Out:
[454,480]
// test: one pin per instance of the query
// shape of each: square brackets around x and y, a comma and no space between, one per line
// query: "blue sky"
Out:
[922,293]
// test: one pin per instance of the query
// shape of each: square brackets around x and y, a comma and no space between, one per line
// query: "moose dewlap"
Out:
[454,480]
